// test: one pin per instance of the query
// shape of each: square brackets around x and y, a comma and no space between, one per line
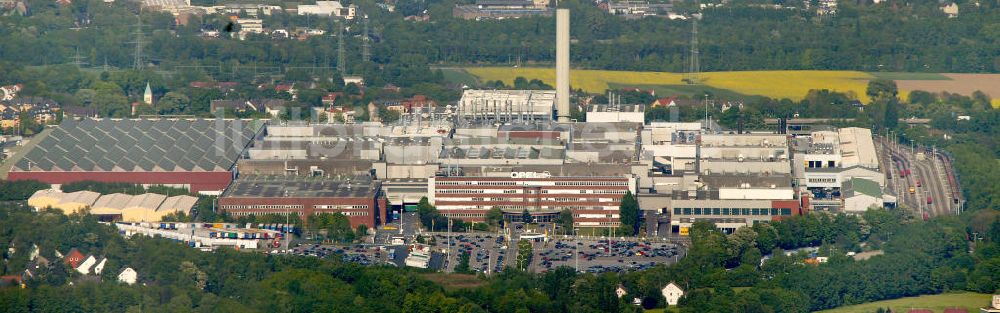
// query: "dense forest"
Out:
[890,36]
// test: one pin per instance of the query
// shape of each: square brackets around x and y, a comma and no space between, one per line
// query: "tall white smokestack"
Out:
[562,65]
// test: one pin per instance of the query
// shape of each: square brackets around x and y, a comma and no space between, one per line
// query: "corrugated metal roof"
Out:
[141,145]
[178,204]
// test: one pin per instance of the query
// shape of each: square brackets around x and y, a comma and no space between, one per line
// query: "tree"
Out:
[524,254]
[565,221]
[463,263]
[494,217]
[767,237]
[361,230]
[526,217]
[629,214]
[173,103]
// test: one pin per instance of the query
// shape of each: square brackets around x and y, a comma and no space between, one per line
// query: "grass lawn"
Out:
[909,76]
[458,76]
[454,281]
[968,300]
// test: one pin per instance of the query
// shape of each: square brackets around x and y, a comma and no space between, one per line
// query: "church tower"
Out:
[147,97]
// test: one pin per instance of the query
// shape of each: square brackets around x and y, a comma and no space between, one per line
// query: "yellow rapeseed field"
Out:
[774,84]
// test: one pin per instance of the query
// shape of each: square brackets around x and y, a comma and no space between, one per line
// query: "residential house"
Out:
[388,104]
[330,98]
[86,264]
[392,88]
[273,107]
[407,105]
[672,293]
[357,80]
[225,86]
[42,110]
[100,266]
[827,7]
[128,276]
[418,18]
[620,291]
[73,258]
[950,10]
[289,88]
[673,101]
[78,111]
[336,114]
[418,102]
[12,281]
[9,92]
[238,106]
[35,266]
[9,118]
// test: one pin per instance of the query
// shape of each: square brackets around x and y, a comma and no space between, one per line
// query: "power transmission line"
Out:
[694,67]
[138,42]
[366,53]
[341,58]
[77,59]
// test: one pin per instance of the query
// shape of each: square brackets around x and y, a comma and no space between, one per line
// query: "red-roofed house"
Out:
[672,101]
[11,281]
[664,102]
[417,102]
[330,98]
[74,257]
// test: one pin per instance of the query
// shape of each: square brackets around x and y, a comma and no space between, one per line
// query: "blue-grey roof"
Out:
[144,145]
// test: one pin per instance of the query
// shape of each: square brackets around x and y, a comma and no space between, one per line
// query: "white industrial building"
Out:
[250,26]
[861,194]
[328,8]
[507,105]
[635,113]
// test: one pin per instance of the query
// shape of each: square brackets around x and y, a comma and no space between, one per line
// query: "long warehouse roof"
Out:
[141,145]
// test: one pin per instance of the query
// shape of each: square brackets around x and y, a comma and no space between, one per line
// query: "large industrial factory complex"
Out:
[516,150]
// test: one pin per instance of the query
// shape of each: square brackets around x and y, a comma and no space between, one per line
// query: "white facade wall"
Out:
[713,166]
[614,117]
[860,203]
[781,193]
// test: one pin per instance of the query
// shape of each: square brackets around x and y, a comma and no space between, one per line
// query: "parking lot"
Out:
[490,253]
[597,256]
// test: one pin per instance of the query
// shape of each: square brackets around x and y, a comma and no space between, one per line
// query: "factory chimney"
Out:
[562,65]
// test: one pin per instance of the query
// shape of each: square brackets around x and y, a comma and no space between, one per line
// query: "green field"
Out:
[909,76]
[458,76]
[937,303]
